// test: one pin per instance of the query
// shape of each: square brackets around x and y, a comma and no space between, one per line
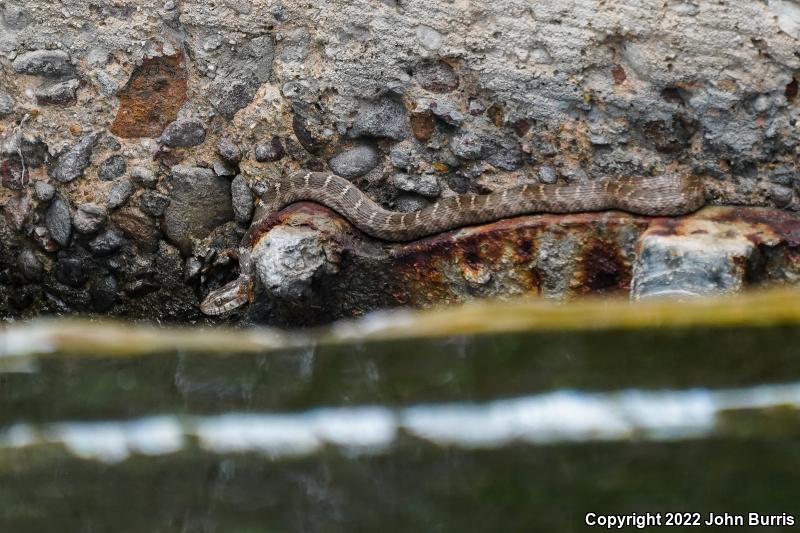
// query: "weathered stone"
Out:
[107,243]
[72,269]
[355,162]
[423,125]
[59,221]
[710,259]
[240,71]
[780,195]
[153,203]
[287,259]
[43,191]
[782,176]
[547,175]
[138,227]
[408,203]
[200,201]
[89,218]
[43,63]
[221,168]
[112,168]
[184,133]
[384,118]
[229,151]
[505,154]
[104,293]
[29,265]
[445,109]
[424,184]
[467,145]
[72,163]
[120,193]
[7,104]
[57,93]
[13,175]
[436,77]
[143,176]
[271,151]
[152,97]
[242,199]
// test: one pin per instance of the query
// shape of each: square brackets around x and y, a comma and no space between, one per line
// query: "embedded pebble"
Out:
[408,203]
[13,175]
[780,195]
[104,293]
[120,193]
[143,176]
[467,145]
[424,184]
[547,174]
[72,163]
[43,191]
[58,93]
[228,150]
[107,242]
[505,155]
[43,63]
[71,269]
[7,104]
[29,265]
[404,155]
[153,203]
[242,199]
[184,133]
[355,162]
[271,151]
[113,167]
[89,218]
[436,77]
[447,110]
[58,221]
[782,176]
[384,118]
[428,37]
[221,168]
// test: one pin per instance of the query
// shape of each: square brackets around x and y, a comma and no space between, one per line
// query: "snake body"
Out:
[667,194]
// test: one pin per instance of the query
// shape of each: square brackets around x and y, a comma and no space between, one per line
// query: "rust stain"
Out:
[603,268]
[152,97]
[422,125]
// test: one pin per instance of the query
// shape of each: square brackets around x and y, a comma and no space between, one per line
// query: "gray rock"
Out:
[467,145]
[476,107]
[436,77]
[44,191]
[72,163]
[228,150]
[57,93]
[184,133]
[445,109]
[72,269]
[200,201]
[143,176]
[15,17]
[43,63]
[706,263]
[221,168]
[107,243]
[547,174]
[29,265]
[384,118]
[242,199]
[355,162]
[505,154]
[408,203]
[241,70]
[425,184]
[89,218]
[112,168]
[271,151]
[7,104]
[287,260]
[191,269]
[104,293]
[120,193]
[58,221]
[780,195]
[782,176]
[153,203]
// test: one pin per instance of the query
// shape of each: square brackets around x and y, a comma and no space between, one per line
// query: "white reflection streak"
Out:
[560,416]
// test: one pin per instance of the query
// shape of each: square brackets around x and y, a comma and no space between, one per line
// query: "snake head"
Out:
[226,298]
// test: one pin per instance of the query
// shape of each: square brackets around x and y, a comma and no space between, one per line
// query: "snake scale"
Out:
[667,194]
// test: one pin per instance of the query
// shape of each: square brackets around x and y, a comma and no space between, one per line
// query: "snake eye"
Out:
[218,301]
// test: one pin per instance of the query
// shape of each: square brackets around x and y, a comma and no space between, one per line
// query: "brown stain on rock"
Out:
[152,97]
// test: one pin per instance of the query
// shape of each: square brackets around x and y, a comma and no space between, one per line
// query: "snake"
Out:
[666,194]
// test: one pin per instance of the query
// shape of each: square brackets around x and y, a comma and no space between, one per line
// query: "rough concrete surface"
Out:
[105,102]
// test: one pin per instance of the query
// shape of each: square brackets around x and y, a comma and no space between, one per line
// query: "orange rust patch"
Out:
[619,74]
[152,97]
[422,125]
[604,268]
